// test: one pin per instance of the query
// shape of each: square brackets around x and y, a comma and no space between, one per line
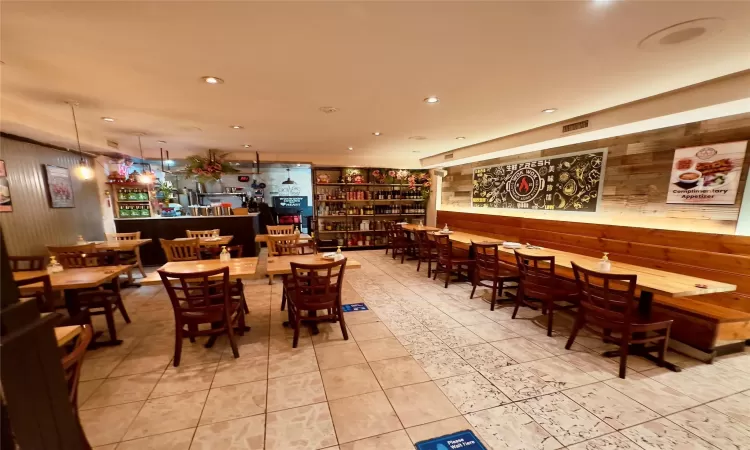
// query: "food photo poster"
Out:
[6,205]
[59,186]
[707,174]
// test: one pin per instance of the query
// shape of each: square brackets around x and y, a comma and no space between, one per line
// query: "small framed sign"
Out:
[59,187]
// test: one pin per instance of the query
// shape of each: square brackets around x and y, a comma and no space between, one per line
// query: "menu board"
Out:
[290,202]
[707,174]
[570,182]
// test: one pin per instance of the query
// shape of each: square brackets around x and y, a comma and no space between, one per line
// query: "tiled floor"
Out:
[423,362]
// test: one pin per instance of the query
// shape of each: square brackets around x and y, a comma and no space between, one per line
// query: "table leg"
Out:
[644,307]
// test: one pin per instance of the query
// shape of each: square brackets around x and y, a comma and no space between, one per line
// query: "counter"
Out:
[243,228]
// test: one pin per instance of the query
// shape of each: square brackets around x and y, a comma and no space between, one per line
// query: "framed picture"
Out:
[6,205]
[60,187]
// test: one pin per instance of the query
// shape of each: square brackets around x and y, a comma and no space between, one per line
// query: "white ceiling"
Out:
[495,66]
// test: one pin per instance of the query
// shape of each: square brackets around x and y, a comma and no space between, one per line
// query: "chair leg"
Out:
[139,262]
[270,279]
[244,302]
[435,271]
[624,347]
[448,270]
[403,254]
[192,329]
[429,266]
[419,263]
[494,295]
[130,275]
[296,324]
[577,325]
[283,298]
[550,316]
[121,307]
[177,345]
[230,335]
[664,347]
[241,322]
[519,301]
[342,323]
[110,316]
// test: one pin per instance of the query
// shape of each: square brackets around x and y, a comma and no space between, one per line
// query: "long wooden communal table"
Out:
[264,237]
[282,265]
[239,268]
[412,227]
[210,241]
[650,281]
[121,245]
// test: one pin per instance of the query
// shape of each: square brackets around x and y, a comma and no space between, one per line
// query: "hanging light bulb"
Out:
[146,177]
[82,170]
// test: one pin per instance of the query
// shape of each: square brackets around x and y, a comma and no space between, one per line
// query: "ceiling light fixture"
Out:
[82,171]
[299,165]
[236,127]
[328,109]
[147,176]
[162,142]
[288,178]
[377,133]
[432,100]
[418,138]
[549,110]
[247,145]
[460,138]
[351,148]
[108,119]
[213,80]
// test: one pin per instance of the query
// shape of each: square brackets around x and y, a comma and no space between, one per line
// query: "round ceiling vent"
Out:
[690,31]
[328,109]
[418,138]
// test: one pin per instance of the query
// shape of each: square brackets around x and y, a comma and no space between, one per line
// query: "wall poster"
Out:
[59,186]
[707,174]
[6,205]
[571,182]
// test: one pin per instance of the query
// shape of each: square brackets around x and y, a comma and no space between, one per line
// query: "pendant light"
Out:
[288,178]
[82,171]
[146,177]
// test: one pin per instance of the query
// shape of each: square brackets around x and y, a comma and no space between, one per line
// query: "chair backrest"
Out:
[181,250]
[606,297]
[317,286]
[84,248]
[214,251]
[280,229]
[444,247]
[486,256]
[537,274]
[79,260]
[43,296]
[202,233]
[27,263]
[196,297]
[240,211]
[281,245]
[423,241]
[73,361]
[123,236]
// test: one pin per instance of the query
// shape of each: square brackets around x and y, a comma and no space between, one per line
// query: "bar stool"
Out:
[540,286]
[490,268]
[447,262]
[616,310]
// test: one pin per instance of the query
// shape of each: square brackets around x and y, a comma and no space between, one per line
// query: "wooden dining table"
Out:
[66,334]
[649,281]
[282,265]
[210,241]
[239,268]
[412,227]
[120,245]
[264,237]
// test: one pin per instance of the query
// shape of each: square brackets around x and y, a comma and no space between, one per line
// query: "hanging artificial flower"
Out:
[208,168]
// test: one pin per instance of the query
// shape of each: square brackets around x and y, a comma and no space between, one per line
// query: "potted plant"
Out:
[208,168]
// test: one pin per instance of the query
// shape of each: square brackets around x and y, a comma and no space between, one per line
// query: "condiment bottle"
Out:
[81,240]
[339,255]
[604,264]
[54,266]
[224,256]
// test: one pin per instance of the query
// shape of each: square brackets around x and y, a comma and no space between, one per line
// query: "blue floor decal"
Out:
[465,440]
[354,307]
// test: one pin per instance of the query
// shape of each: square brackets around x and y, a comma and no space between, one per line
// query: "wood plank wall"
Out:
[635,182]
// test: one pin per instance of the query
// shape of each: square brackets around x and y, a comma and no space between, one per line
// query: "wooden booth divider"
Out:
[701,322]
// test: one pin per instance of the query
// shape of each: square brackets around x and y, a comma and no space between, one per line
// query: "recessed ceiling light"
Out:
[432,100]
[415,151]
[549,110]
[247,145]
[236,127]
[377,133]
[418,138]
[108,119]
[328,109]
[351,148]
[460,138]
[692,30]
[299,165]
[162,142]
[213,80]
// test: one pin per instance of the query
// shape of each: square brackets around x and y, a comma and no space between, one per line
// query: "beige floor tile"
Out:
[612,441]
[714,427]
[442,364]
[304,428]
[342,355]
[291,363]
[234,401]
[564,419]
[295,390]
[661,434]
[96,368]
[108,447]
[398,372]
[86,388]
[614,408]
[423,342]
[330,334]
[176,440]
[417,404]
[165,414]
[385,348]
[508,427]
[357,317]
[650,393]
[240,434]
[115,391]
[735,406]
[363,416]
[242,370]
[396,440]
[349,381]
[491,332]
[141,364]
[179,380]
[521,350]
[369,331]
[108,425]
[197,354]
[471,392]
[439,428]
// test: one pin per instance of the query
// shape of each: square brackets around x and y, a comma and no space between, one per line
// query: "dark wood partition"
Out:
[700,321]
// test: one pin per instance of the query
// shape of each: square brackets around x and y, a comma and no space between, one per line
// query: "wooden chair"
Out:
[84,248]
[274,230]
[447,262]
[237,288]
[539,286]
[27,263]
[105,299]
[400,242]
[608,302]
[389,226]
[490,268]
[313,288]
[283,245]
[72,363]
[202,233]
[197,299]
[426,251]
[129,257]
[181,250]
[44,296]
